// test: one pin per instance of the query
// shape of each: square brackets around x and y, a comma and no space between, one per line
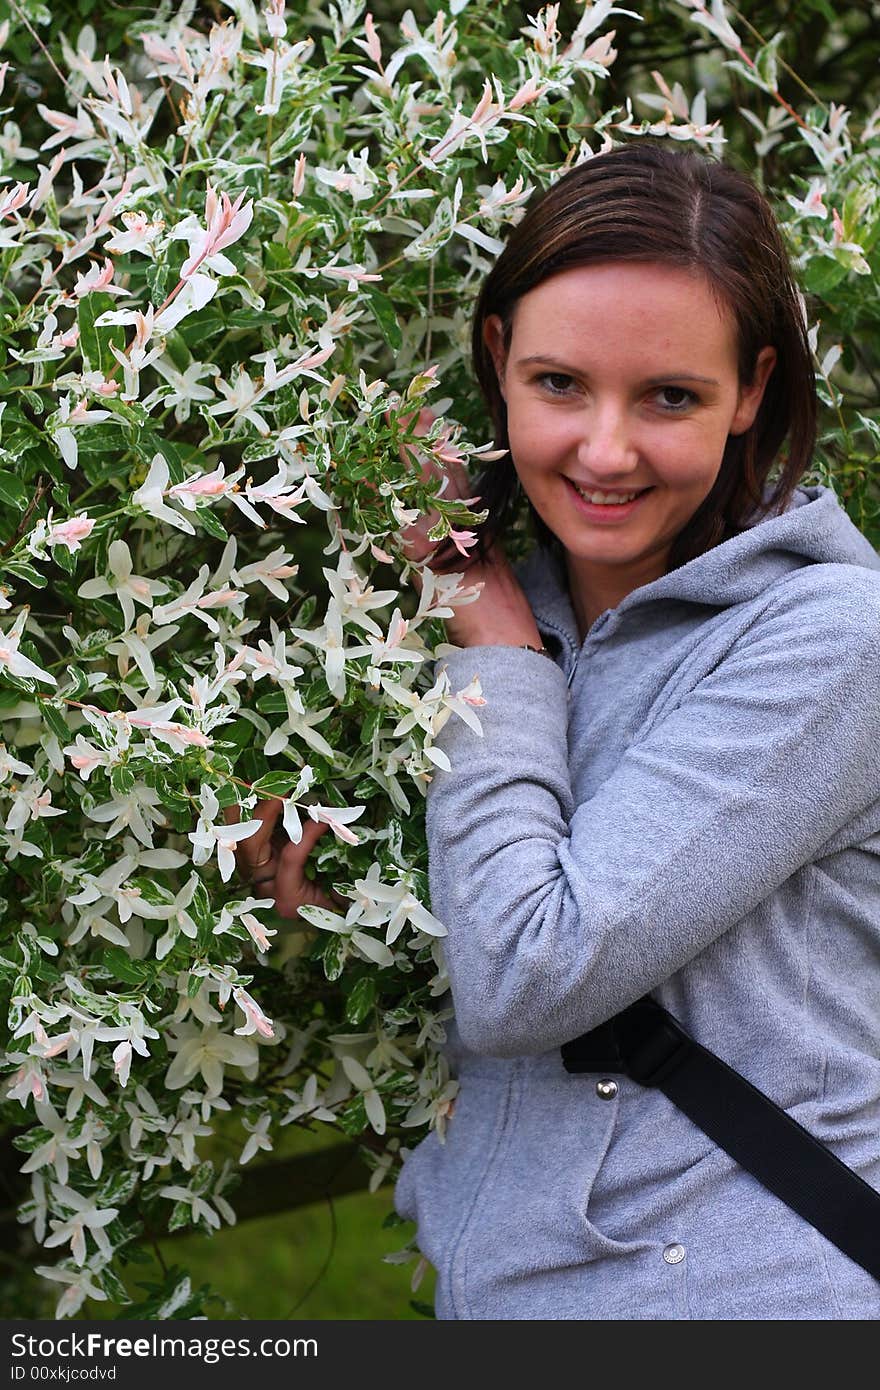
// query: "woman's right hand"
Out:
[275,866]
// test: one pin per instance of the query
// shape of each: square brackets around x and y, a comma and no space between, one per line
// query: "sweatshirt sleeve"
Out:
[559,915]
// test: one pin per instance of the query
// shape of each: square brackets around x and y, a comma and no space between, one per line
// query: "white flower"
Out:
[80,1285]
[307,1104]
[241,398]
[150,496]
[178,918]
[85,1216]
[269,571]
[208,1051]
[201,1209]
[136,645]
[337,817]
[259,933]
[225,223]
[360,1078]
[195,601]
[208,837]
[58,1148]
[197,291]
[185,387]
[80,1089]
[135,811]
[29,1081]
[259,1138]
[9,764]
[394,904]
[31,802]
[14,661]
[139,235]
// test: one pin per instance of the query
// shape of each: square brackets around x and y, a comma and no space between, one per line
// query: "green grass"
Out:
[324,1260]
[320,1261]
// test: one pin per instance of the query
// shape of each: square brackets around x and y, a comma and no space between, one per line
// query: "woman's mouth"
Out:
[606,506]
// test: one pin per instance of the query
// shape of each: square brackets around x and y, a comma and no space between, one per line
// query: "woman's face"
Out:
[621,378]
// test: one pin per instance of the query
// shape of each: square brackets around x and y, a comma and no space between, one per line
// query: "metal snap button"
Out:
[674,1254]
[606,1090]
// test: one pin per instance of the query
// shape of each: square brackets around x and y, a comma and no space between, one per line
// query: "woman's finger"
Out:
[293,889]
[256,852]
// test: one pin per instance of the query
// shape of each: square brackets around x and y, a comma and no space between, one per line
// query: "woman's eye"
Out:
[557,383]
[675,398]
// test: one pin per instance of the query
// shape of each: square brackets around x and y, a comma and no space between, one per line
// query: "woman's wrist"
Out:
[533,640]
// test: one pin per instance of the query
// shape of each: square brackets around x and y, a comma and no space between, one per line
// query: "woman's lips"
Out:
[605,513]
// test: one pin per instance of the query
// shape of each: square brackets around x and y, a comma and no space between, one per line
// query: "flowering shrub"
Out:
[237,258]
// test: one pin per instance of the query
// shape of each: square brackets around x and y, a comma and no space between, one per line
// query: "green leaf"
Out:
[94,343]
[54,717]
[202,915]
[117,1187]
[822,274]
[120,963]
[208,522]
[78,683]
[276,783]
[372,723]
[332,956]
[157,281]
[424,1309]
[273,703]
[386,317]
[112,1285]
[13,491]
[67,559]
[121,780]
[361,1000]
[181,1215]
[22,570]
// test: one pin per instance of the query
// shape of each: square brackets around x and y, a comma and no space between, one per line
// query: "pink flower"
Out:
[15,198]
[299,175]
[462,540]
[257,1022]
[530,91]
[374,46]
[71,533]
[98,278]
[226,222]
[335,817]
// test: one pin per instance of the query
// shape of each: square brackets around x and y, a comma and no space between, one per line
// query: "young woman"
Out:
[677,787]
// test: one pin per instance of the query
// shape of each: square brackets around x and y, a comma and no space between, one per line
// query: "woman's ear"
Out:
[493,337]
[750,396]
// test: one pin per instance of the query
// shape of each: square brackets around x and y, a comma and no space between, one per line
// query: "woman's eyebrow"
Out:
[549,361]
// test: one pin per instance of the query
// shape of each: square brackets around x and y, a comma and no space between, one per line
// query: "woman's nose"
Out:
[607,447]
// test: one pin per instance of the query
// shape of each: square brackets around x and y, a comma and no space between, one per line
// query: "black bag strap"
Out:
[647,1044]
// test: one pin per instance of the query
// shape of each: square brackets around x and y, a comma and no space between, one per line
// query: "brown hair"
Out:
[646,202]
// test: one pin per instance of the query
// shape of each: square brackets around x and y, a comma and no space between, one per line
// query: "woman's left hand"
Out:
[501,616]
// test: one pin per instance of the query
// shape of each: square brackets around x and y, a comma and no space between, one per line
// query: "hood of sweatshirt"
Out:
[813,529]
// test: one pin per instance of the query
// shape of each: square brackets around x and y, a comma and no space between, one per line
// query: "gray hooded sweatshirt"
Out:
[688,803]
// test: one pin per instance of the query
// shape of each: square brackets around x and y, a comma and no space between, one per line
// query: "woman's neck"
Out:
[594,589]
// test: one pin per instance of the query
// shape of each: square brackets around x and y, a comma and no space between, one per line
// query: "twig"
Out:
[19,530]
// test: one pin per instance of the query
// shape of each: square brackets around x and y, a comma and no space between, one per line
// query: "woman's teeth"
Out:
[606,498]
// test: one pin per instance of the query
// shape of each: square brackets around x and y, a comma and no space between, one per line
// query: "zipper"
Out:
[546,625]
